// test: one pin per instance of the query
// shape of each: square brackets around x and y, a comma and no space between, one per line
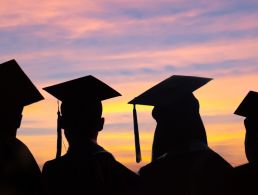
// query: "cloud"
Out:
[132,45]
[232,56]
[53,21]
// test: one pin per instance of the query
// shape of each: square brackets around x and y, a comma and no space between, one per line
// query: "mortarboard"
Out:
[167,92]
[249,106]
[86,89]
[16,87]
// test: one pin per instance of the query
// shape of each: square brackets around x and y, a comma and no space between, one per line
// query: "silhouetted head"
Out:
[251,139]
[81,120]
[176,111]
[10,120]
[81,107]
[178,125]
[248,108]
[17,91]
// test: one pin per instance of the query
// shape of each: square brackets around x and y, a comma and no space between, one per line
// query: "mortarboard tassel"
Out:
[59,134]
[136,135]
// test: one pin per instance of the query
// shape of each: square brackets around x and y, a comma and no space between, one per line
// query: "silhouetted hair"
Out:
[177,124]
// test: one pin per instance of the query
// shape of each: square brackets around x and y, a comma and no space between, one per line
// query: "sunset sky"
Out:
[132,45]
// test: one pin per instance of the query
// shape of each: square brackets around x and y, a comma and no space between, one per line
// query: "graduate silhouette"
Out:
[182,162]
[86,168]
[246,176]
[19,172]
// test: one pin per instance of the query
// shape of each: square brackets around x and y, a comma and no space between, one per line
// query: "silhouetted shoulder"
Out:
[22,148]
[186,173]
[149,168]
[246,171]
[17,152]
[246,167]
[19,170]
[217,159]
[97,171]
[51,165]
[70,161]
[75,174]
[208,157]
[245,178]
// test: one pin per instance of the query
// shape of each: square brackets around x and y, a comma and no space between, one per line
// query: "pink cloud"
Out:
[94,60]
[68,22]
[210,52]
[80,19]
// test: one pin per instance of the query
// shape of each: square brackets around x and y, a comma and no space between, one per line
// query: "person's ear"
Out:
[100,124]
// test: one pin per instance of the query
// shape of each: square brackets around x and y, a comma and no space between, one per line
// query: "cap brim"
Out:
[249,106]
[170,90]
[86,88]
[15,85]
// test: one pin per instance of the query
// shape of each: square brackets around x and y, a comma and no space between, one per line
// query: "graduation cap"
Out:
[86,89]
[167,92]
[15,86]
[249,106]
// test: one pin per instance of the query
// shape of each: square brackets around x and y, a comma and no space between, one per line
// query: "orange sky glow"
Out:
[133,45]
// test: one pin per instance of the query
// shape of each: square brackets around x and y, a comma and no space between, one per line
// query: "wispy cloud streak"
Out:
[132,45]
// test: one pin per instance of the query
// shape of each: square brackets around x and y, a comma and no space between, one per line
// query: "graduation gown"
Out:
[88,170]
[200,171]
[19,172]
[245,179]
